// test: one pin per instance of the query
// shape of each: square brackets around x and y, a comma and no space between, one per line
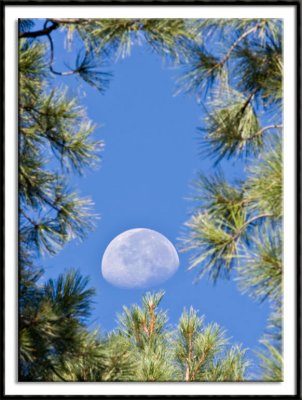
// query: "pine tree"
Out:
[244,88]
[145,329]
[203,353]
[190,352]
[236,229]
[54,341]
[56,139]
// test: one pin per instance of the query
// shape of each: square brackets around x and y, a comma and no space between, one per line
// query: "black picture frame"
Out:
[197,3]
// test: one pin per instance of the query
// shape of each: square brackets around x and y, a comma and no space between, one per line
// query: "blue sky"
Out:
[151,157]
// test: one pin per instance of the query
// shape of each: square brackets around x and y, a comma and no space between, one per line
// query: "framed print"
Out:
[152,199]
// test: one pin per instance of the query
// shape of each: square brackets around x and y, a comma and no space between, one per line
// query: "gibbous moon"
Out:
[139,258]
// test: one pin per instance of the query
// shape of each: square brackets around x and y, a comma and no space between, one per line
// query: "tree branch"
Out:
[259,133]
[201,360]
[43,32]
[55,24]
[235,44]
[80,21]
[57,373]
[67,73]
[248,100]
[189,359]
[251,220]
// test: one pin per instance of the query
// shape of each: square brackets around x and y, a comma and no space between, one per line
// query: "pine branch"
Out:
[220,64]
[268,127]
[56,22]
[230,124]
[72,21]
[43,32]
[264,185]
[57,373]
[249,222]
[67,73]
[261,274]
[238,41]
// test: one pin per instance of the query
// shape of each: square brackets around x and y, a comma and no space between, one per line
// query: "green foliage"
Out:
[66,218]
[219,198]
[232,127]
[271,353]
[218,233]
[32,68]
[264,186]
[237,228]
[262,272]
[54,139]
[100,359]
[247,51]
[272,363]
[69,295]
[167,37]
[57,123]
[54,343]
[144,325]
[202,354]
[51,322]
[50,123]
[216,228]
[120,360]
[240,75]
[260,67]
[215,243]
[87,66]
[192,352]
[145,329]
[231,367]
[202,71]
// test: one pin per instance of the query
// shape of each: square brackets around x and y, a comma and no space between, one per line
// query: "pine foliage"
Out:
[235,228]
[145,329]
[55,138]
[189,352]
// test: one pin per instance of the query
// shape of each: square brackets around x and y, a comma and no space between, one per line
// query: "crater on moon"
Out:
[139,258]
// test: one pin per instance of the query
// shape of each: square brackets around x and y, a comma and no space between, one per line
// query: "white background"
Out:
[12,13]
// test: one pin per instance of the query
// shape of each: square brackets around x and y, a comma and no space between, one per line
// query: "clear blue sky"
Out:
[150,158]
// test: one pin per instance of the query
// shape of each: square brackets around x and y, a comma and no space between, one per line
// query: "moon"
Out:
[139,258]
